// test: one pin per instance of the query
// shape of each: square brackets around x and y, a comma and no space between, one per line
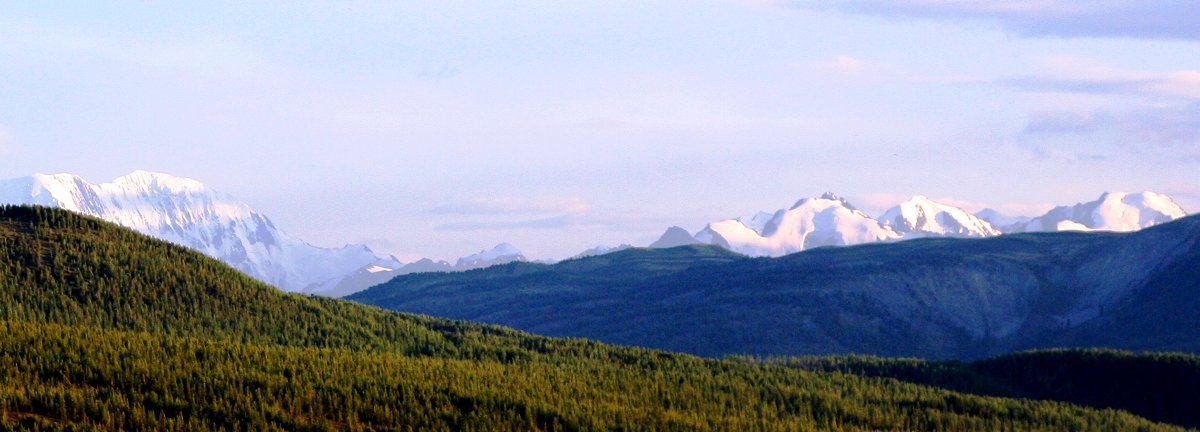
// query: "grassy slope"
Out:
[103,328]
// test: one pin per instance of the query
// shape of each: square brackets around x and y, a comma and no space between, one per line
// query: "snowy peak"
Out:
[1113,211]
[923,216]
[828,220]
[503,253]
[68,191]
[185,212]
[147,181]
[827,196]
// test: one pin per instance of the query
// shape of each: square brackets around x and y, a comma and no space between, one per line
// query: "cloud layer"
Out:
[1076,75]
[1159,19]
[1138,111]
[1149,129]
[512,206]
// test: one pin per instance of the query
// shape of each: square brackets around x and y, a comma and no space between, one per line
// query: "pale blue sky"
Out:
[441,128]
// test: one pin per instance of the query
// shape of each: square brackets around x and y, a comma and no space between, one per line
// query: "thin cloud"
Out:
[853,67]
[1138,19]
[1074,75]
[856,67]
[512,206]
[1131,111]
[1174,127]
[556,222]
[843,64]
[1170,133]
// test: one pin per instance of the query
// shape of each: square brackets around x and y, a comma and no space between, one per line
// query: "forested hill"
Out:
[102,328]
[1159,386]
[60,267]
[931,298]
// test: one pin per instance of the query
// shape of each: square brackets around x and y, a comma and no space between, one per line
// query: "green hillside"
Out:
[102,328]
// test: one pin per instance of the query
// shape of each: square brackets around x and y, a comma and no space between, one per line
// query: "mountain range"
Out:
[830,220]
[186,212]
[934,297]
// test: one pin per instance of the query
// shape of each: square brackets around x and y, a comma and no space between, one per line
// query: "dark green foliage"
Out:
[1164,387]
[68,376]
[932,298]
[103,329]
[1159,386]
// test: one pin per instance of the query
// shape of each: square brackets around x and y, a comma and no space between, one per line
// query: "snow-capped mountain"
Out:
[185,212]
[923,216]
[831,220]
[1113,211]
[503,253]
[812,222]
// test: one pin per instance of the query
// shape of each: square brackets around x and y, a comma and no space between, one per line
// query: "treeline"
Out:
[1159,386]
[102,328]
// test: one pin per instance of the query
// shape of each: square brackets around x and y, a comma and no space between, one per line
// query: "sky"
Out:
[440,128]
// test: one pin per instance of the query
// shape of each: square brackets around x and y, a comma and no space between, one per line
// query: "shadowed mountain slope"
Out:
[934,298]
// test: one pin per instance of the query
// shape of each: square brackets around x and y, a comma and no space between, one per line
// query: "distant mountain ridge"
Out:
[830,220]
[186,212]
[503,253]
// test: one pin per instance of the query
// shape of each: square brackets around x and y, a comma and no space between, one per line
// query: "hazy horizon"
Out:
[438,130]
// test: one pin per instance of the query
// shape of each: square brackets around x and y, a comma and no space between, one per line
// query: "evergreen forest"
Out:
[102,328]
